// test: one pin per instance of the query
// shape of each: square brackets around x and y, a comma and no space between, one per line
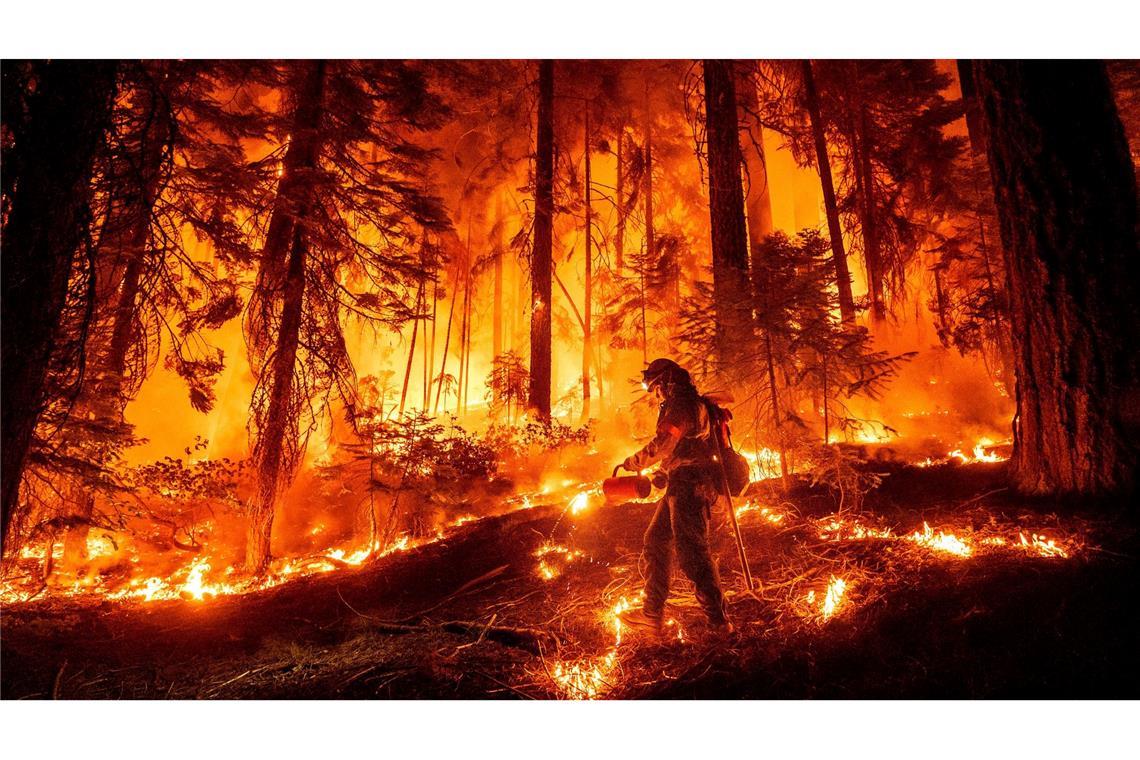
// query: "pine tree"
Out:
[541,259]
[726,211]
[54,133]
[337,211]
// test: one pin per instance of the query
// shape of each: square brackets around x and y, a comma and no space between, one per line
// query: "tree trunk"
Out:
[865,189]
[283,272]
[464,324]
[497,319]
[123,250]
[1066,197]
[726,212]
[47,222]
[412,347]
[543,246]
[587,297]
[647,183]
[619,191]
[834,231]
[757,201]
[970,99]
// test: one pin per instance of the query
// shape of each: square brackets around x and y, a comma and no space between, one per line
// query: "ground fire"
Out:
[319,378]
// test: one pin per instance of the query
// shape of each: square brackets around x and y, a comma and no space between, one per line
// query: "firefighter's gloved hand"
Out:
[630,464]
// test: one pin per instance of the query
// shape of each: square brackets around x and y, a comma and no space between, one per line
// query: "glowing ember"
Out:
[586,679]
[552,559]
[942,542]
[766,513]
[837,529]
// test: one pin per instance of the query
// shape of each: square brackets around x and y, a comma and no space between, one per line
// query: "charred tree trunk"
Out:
[282,274]
[726,212]
[834,230]
[970,99]
[47,223]
[543,248]
[1066,198]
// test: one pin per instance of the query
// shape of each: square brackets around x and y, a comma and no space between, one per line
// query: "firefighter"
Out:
[683,446]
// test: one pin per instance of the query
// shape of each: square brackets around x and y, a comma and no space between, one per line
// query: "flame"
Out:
[763,463]
[833,600]
[547,570]
[979,453]
[1045,547]
[834,596]
[837,528]
[942,542]
[766,513]
[580,503]
[586,679]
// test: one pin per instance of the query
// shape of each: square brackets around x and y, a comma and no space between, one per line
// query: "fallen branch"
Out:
[521,638]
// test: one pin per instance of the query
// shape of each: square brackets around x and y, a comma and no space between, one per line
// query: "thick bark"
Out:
[726,212]
[1066,198]
[283,274]
[47,222]
[543,246]
[834,231]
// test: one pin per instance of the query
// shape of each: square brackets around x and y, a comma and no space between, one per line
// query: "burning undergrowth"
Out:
[527,604]
[174,529]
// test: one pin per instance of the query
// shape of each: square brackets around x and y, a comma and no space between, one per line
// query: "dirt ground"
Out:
[471,616]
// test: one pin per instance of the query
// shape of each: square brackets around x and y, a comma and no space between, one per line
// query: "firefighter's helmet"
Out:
[664,372]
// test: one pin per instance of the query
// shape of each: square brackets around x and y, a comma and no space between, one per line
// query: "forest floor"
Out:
[843,609]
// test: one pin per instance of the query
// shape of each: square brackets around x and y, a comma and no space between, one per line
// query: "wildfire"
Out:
[1045,547]
[942,542]
[833,600]
[981,452]
[552,559]
[766,513]
[586,679]
[837,529]
[763,464]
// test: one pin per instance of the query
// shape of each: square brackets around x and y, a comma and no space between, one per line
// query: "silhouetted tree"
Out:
[1066,197]
[54,135]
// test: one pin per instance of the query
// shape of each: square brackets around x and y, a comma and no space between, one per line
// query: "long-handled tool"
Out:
[732,513]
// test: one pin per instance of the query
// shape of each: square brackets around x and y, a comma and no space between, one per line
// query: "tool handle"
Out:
[616,468]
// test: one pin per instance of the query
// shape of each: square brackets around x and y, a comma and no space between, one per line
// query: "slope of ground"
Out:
[882,603]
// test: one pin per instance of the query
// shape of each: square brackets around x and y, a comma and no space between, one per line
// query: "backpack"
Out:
[736,469]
